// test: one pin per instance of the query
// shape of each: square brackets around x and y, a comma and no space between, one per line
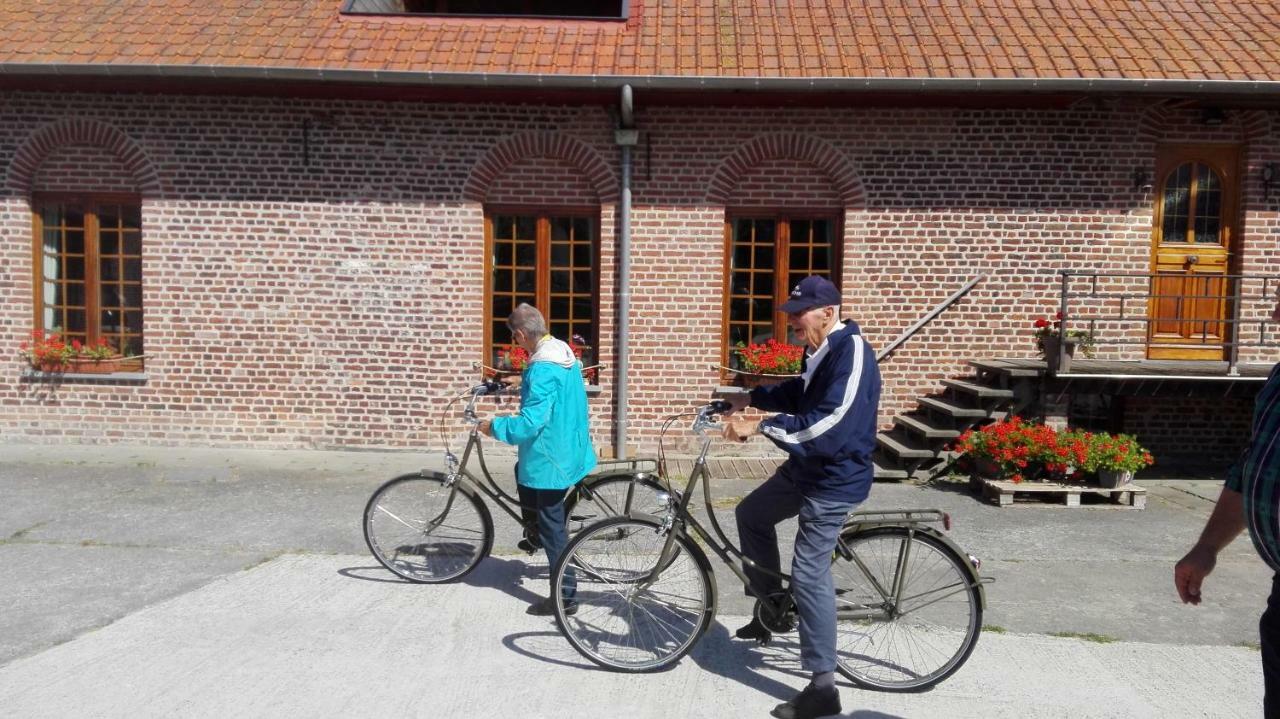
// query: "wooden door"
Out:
[1193,241]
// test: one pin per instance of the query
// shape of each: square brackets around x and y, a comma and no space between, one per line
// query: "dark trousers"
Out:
[1269,633]
[546,507]
[811,582]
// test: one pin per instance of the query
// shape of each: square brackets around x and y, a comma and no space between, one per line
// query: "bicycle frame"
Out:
[458,473]
[680,520]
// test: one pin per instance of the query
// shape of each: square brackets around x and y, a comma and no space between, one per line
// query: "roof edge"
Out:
[654,82]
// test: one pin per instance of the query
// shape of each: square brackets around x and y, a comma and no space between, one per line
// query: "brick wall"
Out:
[1219,426]
[328,292]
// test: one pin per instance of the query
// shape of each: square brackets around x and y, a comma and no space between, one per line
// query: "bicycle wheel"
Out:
[427,532]
[614,495]
[624,621]
[903,631]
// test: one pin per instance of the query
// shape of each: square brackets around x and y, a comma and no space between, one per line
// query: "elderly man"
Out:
[550,431]
[828,427]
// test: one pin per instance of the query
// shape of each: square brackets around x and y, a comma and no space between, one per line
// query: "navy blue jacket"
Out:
[829,417]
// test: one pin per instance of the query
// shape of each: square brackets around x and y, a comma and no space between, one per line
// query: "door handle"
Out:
[1192,259]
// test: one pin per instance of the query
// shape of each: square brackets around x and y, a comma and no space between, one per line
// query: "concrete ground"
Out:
[159,581]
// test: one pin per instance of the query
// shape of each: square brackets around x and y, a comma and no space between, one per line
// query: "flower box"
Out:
[749,380]
[85,365]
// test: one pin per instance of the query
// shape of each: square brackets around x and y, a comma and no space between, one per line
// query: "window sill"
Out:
[594,390]
[730,390]
[31,375]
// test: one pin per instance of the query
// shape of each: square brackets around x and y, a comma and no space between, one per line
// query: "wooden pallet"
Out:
[1004,493]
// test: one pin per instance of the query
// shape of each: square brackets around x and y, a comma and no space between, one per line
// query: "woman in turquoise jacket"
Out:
[550,433]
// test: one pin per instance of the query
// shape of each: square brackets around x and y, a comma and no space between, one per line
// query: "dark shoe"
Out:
[529,546]
[754,631]
[547,608]
[810,704]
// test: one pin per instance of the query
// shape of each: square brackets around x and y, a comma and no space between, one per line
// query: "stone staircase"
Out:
[917,446]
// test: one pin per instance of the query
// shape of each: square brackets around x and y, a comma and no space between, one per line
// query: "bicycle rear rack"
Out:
[645,465]
[877,517]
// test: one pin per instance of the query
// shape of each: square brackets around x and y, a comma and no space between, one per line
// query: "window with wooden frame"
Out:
[766,254]
[88,269]
[550,259]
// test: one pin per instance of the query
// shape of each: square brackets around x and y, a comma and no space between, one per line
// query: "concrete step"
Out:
[904,448]
[955,408]
[886,470]
[980,391]
[924,427]
[1002,368]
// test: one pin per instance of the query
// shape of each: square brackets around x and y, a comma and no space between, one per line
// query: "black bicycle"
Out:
[433,527]
[909,602]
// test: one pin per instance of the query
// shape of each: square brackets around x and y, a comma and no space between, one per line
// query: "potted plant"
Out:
[1020,451]
[766,362]
[1049,339]
[96,358]
[1116,458]
[512,361]
[47,353]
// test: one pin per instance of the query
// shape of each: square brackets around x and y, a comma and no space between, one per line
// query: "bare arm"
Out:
[1224,525]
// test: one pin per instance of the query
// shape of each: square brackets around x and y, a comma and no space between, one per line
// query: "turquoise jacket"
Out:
[551,430]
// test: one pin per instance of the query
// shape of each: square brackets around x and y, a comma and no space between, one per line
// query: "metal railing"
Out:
[1234,297]
[932,314]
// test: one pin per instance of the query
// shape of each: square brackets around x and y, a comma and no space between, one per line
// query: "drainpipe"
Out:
[626,138]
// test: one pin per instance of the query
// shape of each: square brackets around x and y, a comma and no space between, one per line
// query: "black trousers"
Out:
[1269,634]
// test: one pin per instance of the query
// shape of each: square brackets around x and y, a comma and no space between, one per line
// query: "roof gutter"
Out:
[649,82]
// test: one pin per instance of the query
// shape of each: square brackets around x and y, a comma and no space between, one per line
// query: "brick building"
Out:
[309,218]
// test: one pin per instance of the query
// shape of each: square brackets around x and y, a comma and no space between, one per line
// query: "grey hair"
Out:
[528,320]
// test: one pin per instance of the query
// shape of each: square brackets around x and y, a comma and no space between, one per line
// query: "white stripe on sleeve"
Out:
[818,428]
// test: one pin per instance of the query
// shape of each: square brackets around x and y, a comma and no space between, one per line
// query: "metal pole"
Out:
[1234,353]
[1062,309]
[626,139]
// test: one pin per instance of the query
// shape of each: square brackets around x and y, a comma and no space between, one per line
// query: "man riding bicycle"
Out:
[827,426]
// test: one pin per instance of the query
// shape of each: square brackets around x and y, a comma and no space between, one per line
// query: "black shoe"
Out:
[547,608]
[529,546]
[810,704]
[755,631]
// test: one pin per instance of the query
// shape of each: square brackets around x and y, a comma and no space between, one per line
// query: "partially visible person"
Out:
[1250,498]
[551,434]
[827,425]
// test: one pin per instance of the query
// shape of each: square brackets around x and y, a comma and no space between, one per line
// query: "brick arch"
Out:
[541,144]
[65,133]
[820,154]
[1151,122]
[1255,125]
[1252,124]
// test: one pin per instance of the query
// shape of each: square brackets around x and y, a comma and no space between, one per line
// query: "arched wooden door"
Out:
[1193,241]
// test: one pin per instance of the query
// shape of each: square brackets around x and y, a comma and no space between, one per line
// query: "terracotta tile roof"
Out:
[904,39]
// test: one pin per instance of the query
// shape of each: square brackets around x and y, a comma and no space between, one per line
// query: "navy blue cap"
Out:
[813,291]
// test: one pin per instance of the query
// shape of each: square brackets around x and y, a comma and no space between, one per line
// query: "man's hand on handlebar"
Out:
[737,402]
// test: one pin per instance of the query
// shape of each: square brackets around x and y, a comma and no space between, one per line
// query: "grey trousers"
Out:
[811,584]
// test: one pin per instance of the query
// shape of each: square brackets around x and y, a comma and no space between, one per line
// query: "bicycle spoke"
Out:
[913,641]
[441,549]
[627,617]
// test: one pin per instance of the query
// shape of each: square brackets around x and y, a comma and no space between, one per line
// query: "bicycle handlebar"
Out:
[489,386]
